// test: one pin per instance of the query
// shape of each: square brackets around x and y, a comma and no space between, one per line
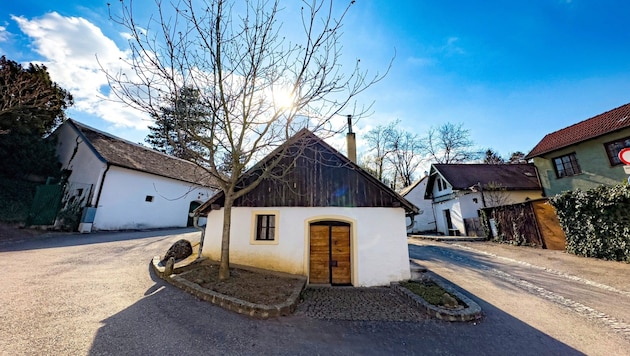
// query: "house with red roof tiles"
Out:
[584,155]
[459,191]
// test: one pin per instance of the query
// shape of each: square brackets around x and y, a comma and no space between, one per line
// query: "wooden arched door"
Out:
[329,261]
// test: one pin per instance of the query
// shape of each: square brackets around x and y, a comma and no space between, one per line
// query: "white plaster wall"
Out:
[378,241]
[122,202]
[425,221]
[456,216]
[85,165]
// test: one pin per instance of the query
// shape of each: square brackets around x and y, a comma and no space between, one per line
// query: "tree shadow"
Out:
[76,239]
[169,321]
[472,261]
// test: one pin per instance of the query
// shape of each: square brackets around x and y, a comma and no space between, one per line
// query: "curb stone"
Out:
[260,311]
[472,311]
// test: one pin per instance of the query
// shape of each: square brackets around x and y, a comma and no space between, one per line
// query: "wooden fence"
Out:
[532,223]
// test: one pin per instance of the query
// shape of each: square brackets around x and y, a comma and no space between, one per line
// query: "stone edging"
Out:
[260,311]
[471,312]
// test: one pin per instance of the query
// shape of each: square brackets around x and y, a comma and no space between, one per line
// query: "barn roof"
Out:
[119,152]
[610,121]
[507,176]
[314,192]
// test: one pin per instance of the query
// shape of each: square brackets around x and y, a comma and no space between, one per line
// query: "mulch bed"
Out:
[255,287]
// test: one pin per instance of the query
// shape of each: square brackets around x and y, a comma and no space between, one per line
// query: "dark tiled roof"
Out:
[596,126]
[122,153]
[508,176]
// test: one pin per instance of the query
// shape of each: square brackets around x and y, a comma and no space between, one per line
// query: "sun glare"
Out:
[283,98]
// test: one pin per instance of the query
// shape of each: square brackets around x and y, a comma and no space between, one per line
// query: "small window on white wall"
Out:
[149,199]
[265,227]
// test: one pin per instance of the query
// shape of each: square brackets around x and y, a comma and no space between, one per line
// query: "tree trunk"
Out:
[224,267]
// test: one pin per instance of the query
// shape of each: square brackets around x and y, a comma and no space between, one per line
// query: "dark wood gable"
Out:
[313,174]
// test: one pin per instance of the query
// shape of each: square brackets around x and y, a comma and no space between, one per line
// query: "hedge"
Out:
[597,221]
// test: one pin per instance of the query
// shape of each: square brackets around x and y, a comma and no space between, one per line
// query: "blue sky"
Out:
[510,71]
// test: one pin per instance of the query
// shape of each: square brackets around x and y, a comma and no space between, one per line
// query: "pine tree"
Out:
[177,125]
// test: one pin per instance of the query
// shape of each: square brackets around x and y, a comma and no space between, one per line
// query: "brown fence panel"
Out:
[516,224]
[549,226]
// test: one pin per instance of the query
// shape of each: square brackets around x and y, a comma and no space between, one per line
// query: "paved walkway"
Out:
[358,304]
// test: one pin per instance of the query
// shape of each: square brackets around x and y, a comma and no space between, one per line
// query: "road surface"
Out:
[94,295]
[548,290]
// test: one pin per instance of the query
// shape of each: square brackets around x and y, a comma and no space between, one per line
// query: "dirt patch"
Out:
[257,287]
[14,232]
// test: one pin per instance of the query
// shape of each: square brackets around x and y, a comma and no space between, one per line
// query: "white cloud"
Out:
[421,61]
[4,34]
[70,46]
[451,46]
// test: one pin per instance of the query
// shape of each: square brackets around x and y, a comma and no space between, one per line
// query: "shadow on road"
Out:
[76,239]
[469,260]
[169,321]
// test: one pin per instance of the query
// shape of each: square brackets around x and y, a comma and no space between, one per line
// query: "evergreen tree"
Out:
[30,102]
[31,106]
[492,157]
[179,125]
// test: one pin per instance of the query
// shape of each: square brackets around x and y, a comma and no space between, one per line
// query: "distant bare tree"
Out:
[379,141]
[449,143]
[233,54]
[495,194]
[405,157]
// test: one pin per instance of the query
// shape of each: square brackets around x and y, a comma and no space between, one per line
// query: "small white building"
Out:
[424,221]
[121,185]
[327,219]
[459,191]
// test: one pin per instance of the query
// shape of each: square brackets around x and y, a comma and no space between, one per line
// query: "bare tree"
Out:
[449,143]
[405,157]
[234,55]
[379,141]
[495,194]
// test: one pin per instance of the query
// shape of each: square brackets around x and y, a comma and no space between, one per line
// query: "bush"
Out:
[16,197]
[596,222]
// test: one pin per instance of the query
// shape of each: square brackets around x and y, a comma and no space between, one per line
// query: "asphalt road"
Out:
[582,302]
[94,295]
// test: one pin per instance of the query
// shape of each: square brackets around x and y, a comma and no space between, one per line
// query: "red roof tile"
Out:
[596,126]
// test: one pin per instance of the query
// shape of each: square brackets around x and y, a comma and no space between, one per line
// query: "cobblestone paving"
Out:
[358,304]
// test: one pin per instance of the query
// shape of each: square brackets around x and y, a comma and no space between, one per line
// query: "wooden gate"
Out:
[330,253]
[45,205]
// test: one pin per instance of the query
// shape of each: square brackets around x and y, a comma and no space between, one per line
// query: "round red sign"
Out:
[624,155]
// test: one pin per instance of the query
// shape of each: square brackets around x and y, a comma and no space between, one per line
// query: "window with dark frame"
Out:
[265,227]
[566,165]
[613,148]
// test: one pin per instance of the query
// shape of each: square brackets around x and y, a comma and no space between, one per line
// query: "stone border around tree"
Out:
[260,311]
[472,311]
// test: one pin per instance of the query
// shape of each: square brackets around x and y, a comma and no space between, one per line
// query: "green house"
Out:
[584,155]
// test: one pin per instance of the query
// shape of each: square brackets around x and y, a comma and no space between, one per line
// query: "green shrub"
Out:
[16,197]
[596,222]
